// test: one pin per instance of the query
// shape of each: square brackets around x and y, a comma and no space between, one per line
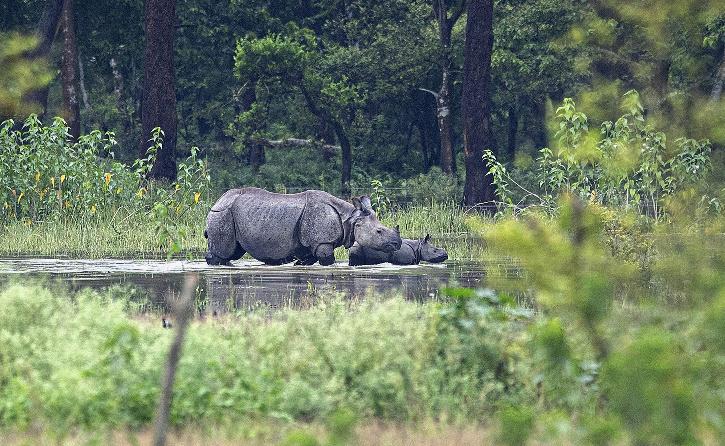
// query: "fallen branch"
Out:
[294,142]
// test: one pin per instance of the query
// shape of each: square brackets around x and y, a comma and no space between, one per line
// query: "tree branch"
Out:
[294,142]
[435,95]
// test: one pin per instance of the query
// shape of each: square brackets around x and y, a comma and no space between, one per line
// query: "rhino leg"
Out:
[356,256]
[222,246]
[306,261]
[277,262]
[325,253]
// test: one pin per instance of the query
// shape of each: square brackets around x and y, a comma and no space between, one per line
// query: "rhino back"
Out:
[266,223]
[405,255]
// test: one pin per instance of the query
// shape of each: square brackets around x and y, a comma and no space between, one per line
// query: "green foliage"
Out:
[44,176]
[614,353]
[516,425]
[635,379]
[19,75]
[435,186]
[628,164]
[337,362]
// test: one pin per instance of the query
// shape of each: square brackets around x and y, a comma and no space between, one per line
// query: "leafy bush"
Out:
[435,186]
[627,163]
[390,359]
[44,175]
[618,353]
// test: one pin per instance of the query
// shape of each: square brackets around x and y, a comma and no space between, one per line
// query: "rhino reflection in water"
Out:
[280,228]
[411,252]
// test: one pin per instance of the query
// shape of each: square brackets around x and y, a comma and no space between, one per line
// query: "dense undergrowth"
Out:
[90,362]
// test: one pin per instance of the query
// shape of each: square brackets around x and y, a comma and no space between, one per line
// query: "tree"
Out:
[158,108]
[281,67]
[476,102]
[69,70]
[446,14]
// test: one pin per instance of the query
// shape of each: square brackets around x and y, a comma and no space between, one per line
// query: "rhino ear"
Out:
[365,200]
[356,202]
[427,238]
[397,229]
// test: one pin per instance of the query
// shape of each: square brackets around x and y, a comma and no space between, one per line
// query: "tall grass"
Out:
[124,233]
[118,234]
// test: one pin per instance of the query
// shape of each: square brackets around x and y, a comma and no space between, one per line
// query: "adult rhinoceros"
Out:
[279,228]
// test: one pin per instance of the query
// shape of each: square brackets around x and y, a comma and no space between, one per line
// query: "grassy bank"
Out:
[123,234]
[273,433]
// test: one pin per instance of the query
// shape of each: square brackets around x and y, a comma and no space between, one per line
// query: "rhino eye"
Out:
[380,231]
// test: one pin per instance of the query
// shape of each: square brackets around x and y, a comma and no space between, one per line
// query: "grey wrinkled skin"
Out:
[411,252]
[281,228]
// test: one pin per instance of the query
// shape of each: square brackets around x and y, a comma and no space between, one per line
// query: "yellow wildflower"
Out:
[140,192]
[67,203]
[20,197]
[93,209]
[62,179]
[196,197]
[6,205]
[178,186]
[107,178]
[37,176]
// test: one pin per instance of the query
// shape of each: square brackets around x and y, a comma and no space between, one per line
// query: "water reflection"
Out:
[251,284]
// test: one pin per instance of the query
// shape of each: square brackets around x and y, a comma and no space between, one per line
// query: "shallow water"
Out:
[250,284]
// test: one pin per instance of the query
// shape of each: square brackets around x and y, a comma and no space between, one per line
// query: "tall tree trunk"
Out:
[477,134]
[443,97]
[69,71]
[536,123]
[325,116]
[512,131]
[719,79]
[47,28]
[82,82]
[255,151]
[158,108]
[346,150]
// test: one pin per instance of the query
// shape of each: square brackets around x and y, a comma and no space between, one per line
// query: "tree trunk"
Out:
[325,116]
[255,151]
[346,158]
[719,79]
[512,131]
[82,82]
[158,108]
[477,134]
[443,97]
[443,115]
[47,28]
[69,72]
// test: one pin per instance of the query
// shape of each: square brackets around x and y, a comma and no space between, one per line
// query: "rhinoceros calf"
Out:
[280,228]
[411,252]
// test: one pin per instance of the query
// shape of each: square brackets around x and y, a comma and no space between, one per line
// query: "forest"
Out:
[566,155]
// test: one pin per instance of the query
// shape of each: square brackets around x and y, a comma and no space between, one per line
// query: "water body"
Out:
[249,284]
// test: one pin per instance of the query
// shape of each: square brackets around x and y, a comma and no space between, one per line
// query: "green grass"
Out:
[118,235]
[126,235]
[383,359]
